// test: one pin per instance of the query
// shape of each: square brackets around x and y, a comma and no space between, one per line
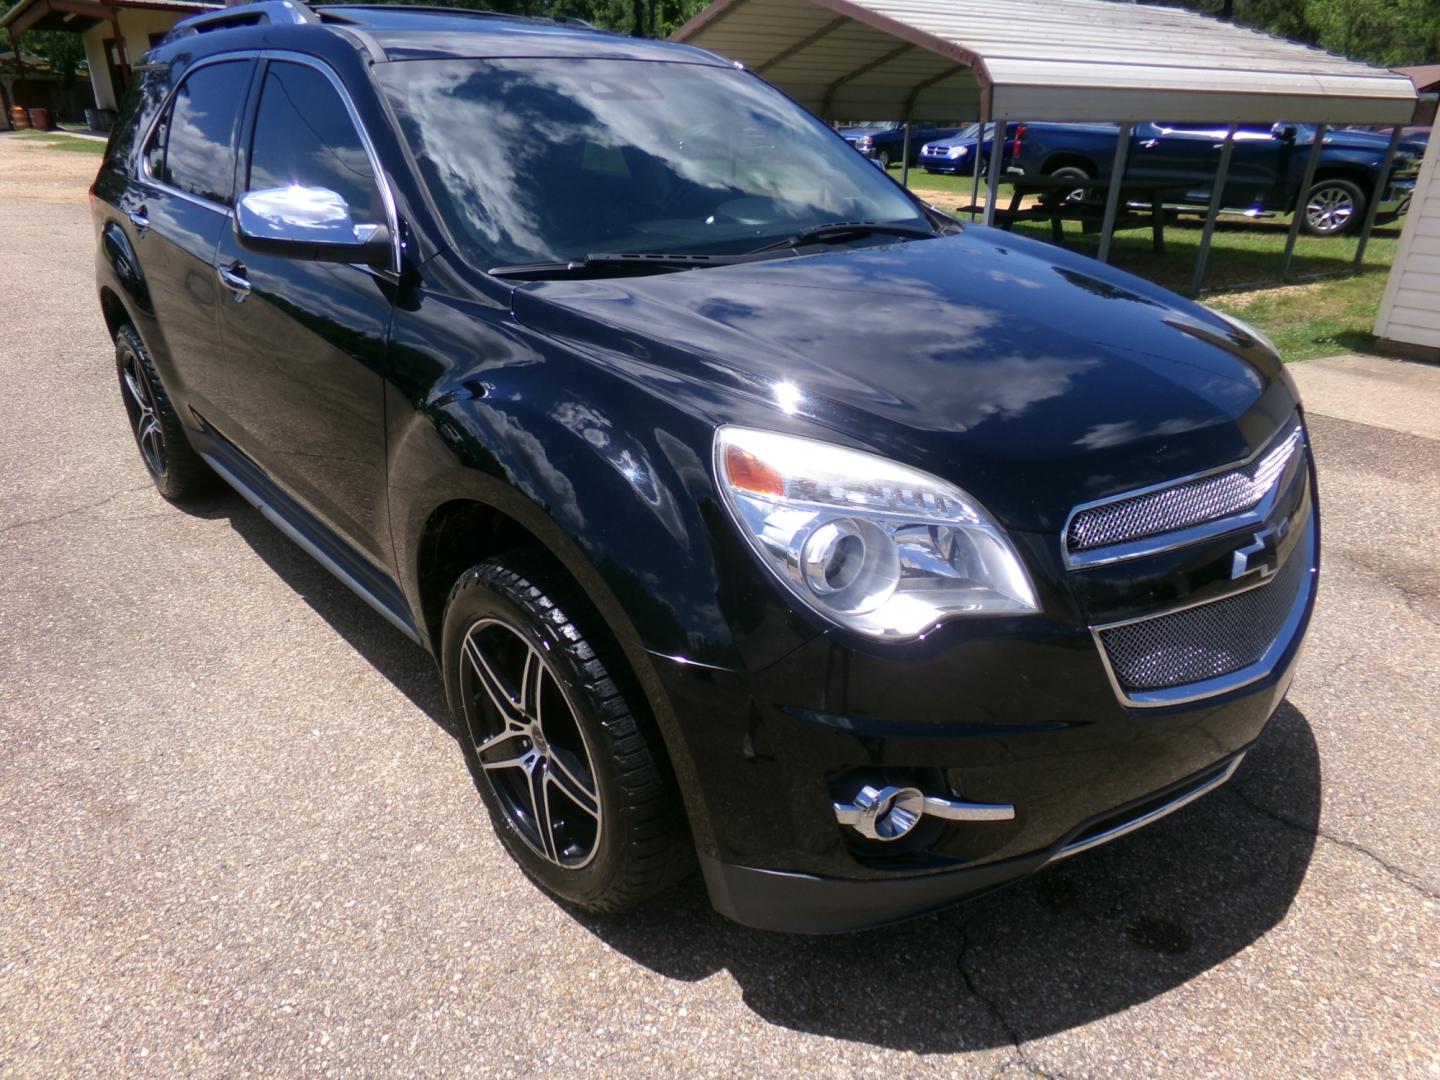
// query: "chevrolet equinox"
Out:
[754,512]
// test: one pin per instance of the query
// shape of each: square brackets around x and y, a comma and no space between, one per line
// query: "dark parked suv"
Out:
[543,341]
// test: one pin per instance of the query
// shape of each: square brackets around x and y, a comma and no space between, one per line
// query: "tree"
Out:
[63,51]
[1388,32]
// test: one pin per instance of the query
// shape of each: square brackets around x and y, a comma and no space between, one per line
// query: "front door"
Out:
[305,341]
[1188,156]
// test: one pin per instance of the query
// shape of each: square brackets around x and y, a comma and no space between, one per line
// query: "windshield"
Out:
[543,160]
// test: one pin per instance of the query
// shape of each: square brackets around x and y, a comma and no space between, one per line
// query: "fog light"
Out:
[886,813]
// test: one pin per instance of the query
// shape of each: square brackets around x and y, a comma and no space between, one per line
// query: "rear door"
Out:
[305,341]
[177,211]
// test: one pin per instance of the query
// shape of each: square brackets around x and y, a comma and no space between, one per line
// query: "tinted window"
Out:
[192,148]
[137,109]
[540,160]
[304,135]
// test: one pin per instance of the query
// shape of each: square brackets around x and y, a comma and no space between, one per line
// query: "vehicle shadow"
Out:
[408,667]
[1083,939]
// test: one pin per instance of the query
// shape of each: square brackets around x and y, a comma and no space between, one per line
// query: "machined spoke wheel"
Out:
[530,744]
[1329,209]
[148,433]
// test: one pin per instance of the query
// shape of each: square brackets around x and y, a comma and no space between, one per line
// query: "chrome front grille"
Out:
[1119,527]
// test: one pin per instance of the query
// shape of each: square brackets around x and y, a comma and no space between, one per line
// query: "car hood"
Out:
[1034,378]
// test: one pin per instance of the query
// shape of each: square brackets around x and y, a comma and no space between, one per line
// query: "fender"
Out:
[508,423]
[119,259]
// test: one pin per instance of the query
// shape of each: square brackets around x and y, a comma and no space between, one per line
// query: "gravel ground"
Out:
[236,837]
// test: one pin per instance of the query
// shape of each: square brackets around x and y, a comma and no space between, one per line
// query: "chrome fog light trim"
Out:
[891,812]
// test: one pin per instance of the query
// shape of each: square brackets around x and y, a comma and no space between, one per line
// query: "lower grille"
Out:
[1208,641]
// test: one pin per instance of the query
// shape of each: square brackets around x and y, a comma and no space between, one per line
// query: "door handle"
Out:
[139,219]
[233,278]
[1149,144]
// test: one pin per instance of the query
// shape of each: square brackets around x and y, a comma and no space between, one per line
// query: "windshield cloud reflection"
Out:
[543,160]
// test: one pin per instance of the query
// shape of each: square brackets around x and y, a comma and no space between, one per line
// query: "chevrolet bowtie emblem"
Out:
[1257,557]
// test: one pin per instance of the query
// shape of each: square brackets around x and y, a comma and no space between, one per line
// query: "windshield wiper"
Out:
[618,265]
[845,230]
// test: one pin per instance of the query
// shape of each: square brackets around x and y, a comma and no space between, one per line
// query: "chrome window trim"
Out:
[1235,680]
[1164,810]
[382,180]
[1178,538]
[143,169]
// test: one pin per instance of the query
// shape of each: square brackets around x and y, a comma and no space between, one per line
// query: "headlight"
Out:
[956,152]
[865,142]
[868,543]
[1248,330]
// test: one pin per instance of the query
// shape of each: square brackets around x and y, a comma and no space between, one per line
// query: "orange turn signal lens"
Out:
[747,472]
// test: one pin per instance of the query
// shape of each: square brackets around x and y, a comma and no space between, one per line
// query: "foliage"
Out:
[1388,32]
[643,18]
[63,51]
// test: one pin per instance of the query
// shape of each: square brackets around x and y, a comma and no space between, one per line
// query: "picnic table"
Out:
[1141,202]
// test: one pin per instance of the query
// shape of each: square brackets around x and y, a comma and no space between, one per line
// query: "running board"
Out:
[281,522]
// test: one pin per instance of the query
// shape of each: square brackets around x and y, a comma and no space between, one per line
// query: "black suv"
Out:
[749,506]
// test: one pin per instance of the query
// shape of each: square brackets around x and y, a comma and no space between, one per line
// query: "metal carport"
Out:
[1036,60]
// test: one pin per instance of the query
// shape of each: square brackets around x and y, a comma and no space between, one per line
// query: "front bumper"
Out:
[1021,713]
[806,903]
[1396,200]
[944,164]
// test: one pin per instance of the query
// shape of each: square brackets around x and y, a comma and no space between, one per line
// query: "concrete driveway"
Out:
[236,836]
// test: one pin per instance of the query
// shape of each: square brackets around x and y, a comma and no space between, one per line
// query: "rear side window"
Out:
[193,146]
[304,135]
[137,109]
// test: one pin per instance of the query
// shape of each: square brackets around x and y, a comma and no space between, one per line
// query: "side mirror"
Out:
[1284,132]
[308,223]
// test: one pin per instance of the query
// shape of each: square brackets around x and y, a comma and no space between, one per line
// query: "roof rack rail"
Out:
[258,13]
[328,12]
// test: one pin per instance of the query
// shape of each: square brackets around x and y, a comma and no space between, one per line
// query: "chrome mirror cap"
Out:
[307,223]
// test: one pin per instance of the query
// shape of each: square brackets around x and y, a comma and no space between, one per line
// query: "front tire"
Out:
[178,472]
[1334,207]
[572,773]
[883,156]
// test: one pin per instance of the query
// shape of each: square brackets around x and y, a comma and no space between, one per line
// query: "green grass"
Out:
[69,143]
[1306,318]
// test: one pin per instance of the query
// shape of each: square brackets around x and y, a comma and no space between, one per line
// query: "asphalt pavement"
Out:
[237,838]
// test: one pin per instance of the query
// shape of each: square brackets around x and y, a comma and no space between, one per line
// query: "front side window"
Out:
[541,160]
[192,148]
[304,135]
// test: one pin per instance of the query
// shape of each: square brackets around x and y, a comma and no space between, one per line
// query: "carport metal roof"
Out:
[1040,60]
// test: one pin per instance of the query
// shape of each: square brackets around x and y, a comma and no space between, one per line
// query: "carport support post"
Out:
[905,157]
[1302,200]
[1375,196]
[975,168]
[1112,197]
[994,195]
[1222,173]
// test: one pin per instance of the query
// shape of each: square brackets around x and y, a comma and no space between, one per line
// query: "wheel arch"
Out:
[468,529]
[1064,159]
[113,309]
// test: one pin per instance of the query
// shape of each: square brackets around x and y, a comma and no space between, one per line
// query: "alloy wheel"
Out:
[531,744]
[144,420]
[1329,209]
